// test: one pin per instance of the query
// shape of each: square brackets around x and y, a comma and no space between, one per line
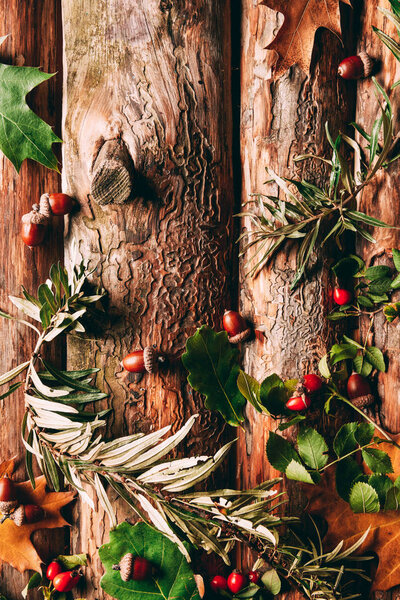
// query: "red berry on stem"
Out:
[218,583]
[235,326]
[65,582]
[141,569]
[312,382]
[53,570]
[254,576]
[300,402]
[236,582]
[342,296]
[356,67]
[61,204]
[359,390]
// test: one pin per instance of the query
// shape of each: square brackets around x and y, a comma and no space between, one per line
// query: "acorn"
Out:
[26,514]
[8,495]
[359,391]
[34,225]
[141,361]
[356,67]
[136,568]
[236,327]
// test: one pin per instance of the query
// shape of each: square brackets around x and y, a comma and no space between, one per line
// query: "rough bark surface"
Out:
[279,120]
[382,200]
[157,75]
[33,29]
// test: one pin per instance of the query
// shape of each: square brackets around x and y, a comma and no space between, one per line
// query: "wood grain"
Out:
[279,120]
[156,74]
[33,28]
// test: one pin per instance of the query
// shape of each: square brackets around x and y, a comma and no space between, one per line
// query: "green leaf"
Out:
[396,282]
[396,258]
[213,368]
[280,452]
[298,472]
[364,301]
[65,380]
[363,498]
[342,352]
[33,583]
[392,501]
[293,421]
[324,367]
[345,440]
[312,448]
[23,134]
[172,577]
[381,484]
[378,272]
[377,460]
[362,366]
[271,581]
[273,395]
[381,286]
[347,470]
[73,561]
[375,357]
[250,389]
[10,375]
[348,266]
[359,216]
[364,433]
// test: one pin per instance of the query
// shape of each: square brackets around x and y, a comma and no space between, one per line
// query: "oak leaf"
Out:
[295,40]
[343,524]
[16,547]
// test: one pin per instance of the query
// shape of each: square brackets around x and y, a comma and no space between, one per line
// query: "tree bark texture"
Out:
[280,119]
[155,76]
[34,37]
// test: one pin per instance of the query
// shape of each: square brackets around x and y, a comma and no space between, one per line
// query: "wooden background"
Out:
[186,85]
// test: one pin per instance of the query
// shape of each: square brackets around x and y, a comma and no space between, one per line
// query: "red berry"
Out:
[134,362]
[356,67]
[218,583]
[32,234]
[235,326]
[254,576]
[300,402]
[53,570]
[141,569]
[312,383]
[65,582]
[60,204]
[342,296]
[236,582]
[8,491]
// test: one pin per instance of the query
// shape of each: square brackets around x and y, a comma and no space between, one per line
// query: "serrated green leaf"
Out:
[381,484]
[23,134]
[172,577]
[374,356]
[272,582]
[396,282]
[273,395]
[377,460]
[312,448]
[362,366]
[363,498]
[280,452]
[381,286]
[347,470]
[345,440]
[250,389]
[377,272]
[213,368]
[364,433]
[341,352]
[365,301]
[296,471]
[392,501]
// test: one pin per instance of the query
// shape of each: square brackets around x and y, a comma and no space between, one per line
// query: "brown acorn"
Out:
[28,513]
[125,566]
[33,227]
[8,495]
[236,327]
[140,361]
[359,391]
[356,67]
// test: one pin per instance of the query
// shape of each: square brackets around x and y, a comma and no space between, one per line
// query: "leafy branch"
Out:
[64,438]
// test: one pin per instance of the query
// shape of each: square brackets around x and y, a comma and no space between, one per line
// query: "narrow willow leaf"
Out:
[51,469]
[65,379]
[10,375]
[104,500]
[44,389]
[27,307]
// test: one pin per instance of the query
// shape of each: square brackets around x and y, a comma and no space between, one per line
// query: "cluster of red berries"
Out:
[309,385]
[35,223]
[235,582]
[11,508]
[63,581]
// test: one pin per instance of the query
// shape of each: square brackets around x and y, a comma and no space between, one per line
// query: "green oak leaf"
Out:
[312,448]
[363,498]
[172,578]
[213,368]
[22,133]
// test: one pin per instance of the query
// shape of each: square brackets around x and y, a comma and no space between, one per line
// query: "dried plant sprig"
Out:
[312,215]
[65,440]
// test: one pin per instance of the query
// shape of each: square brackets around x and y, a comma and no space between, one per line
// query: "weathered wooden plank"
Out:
[157,75]
[381,199]
[32,42]
[279,120]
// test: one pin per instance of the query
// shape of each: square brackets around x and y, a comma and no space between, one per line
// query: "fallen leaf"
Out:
[16,547]
[7,467]
[295,40]
[343,524]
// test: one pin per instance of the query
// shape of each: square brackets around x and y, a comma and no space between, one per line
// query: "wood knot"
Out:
[112,174]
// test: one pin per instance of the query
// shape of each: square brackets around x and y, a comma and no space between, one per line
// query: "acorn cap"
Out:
[35,217]
[125,567]
[18,516]
[367,62]
[44,206]
[240,337]
[150,356]
[6,506]
[363,401]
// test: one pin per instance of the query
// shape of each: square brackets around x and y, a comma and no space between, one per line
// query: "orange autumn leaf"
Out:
[16,547]
[343,524]
[295,40]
